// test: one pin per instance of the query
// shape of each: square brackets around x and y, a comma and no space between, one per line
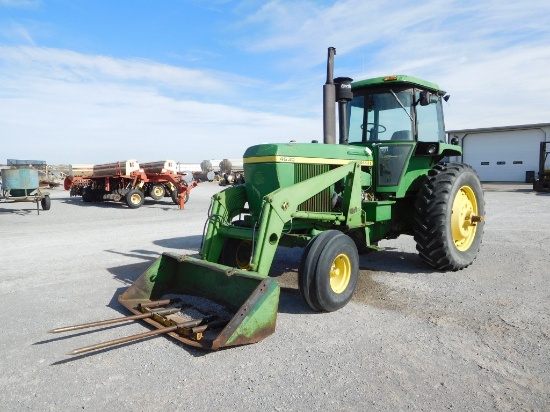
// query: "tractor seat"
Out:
[401,135]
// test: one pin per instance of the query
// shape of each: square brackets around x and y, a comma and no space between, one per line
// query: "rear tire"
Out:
[448,208]
[134,199]
[156,191]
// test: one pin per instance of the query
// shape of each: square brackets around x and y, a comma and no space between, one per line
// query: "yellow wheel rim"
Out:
[242,255]
[135,199]
[464,214]
[340,273]
[158,191]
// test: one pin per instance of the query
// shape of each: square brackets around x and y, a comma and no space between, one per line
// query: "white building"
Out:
[502,154]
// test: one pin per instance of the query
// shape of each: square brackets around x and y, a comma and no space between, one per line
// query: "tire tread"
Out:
[430,223]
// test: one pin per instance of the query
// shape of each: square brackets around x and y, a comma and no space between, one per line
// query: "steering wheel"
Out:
[381,128]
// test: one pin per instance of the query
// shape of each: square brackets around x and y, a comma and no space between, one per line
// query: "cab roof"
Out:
[397,79]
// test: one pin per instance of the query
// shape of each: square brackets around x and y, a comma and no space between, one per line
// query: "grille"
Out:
[321,201]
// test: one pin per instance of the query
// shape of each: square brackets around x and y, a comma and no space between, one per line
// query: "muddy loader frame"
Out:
[279,210]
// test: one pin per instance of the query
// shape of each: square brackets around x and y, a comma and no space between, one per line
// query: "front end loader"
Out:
[386,177]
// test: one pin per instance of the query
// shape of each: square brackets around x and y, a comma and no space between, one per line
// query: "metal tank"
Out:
[20,182]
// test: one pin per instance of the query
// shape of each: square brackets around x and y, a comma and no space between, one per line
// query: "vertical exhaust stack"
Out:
[329,101]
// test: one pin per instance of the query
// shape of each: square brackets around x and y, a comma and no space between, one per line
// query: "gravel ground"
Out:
[412,338]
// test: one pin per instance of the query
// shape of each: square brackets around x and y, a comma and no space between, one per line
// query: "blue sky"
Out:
[99,81]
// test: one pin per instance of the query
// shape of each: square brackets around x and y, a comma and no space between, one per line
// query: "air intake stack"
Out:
[343,96]
[329,101]
[335,90]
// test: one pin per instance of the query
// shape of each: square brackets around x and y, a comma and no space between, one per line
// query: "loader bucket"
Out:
[244,303]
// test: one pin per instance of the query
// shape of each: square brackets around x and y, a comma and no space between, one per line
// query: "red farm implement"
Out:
[129,182]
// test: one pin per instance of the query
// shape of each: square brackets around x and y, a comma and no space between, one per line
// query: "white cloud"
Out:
[66,107]
[73,66]
[18,33]
[491,56]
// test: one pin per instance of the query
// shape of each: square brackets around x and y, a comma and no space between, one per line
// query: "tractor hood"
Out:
[269,167]
[307,153]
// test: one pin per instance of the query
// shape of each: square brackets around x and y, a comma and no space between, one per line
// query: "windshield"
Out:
[381,117]
[388,116]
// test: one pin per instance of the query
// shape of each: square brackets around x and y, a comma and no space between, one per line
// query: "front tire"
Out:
[236,253]
[308,266]
[329,271]
[448,221]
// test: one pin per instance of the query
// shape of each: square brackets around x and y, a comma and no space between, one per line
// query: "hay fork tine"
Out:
[144,307]
[203,324]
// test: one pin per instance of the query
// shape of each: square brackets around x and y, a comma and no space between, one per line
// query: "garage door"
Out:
[503,156]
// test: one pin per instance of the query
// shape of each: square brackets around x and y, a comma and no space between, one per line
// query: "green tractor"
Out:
[386,177]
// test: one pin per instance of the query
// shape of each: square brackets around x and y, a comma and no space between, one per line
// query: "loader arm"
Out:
[279,208]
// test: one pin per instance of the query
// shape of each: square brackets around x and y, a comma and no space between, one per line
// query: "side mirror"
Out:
[427,98]
[424,98]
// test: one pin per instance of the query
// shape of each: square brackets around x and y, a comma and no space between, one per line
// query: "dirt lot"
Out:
[412,338]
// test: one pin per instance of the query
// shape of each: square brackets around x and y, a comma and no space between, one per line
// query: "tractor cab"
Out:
[399,119]
[395,109]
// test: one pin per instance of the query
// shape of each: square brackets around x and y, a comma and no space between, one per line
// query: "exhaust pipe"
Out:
[329,101]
